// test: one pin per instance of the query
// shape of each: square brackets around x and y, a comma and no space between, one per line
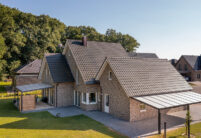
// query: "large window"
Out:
[92,97]
[84,98]
[185,67]
[198,76]
[180,67]
[89,98]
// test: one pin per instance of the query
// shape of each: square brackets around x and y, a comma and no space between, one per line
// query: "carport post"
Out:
[188,122]
[159,121]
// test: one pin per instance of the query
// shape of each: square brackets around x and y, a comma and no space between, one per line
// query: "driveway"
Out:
[132,129]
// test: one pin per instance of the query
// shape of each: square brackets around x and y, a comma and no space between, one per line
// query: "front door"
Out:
[106,103]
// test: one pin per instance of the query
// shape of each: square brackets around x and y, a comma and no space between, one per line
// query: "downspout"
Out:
[101,99]
[56,94]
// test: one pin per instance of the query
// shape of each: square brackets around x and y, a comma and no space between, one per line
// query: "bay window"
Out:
[89,98]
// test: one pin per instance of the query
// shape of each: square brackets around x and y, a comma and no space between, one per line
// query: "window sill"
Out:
[84,103]
[89,103]
[141,111]
[93,103]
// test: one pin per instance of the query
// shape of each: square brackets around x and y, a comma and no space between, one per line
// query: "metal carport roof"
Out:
[32,87]
[170,100]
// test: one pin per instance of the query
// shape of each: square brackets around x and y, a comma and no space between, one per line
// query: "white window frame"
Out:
[143,110]
[109,75]
[87,98]
[84,102]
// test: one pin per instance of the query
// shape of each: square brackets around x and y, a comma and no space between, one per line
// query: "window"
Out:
[89,98]
[110,75]
[92,97]
[180,67]
[185,67]
[84,97]
[77,77]
[198,76]
[142,107]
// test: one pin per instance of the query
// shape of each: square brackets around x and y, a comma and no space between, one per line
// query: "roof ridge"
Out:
[94,41]
[138,58]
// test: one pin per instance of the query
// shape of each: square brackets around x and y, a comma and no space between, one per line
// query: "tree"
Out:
[27,37]
[2,53]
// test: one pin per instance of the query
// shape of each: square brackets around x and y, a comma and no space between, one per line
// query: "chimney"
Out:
[84,40]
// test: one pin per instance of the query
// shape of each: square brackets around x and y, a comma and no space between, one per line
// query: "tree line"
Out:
[25,37]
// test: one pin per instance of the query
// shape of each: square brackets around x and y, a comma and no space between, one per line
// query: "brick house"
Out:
[88,75]
[189,66]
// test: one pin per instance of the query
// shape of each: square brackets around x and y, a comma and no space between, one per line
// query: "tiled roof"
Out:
[142,55]
[59,68]
[31,68]
[90,58]
[193,61]
[140,76]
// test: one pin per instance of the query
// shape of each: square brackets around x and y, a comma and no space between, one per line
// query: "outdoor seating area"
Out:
[27,101]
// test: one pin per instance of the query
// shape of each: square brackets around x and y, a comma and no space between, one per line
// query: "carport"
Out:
[28,102]
[170,100]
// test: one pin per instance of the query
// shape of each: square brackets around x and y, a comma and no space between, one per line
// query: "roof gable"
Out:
[139,76]
[59,68]
[31,68]
[90,58]
[193,61]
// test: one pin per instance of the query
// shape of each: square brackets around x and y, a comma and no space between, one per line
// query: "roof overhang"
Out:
[33,87]
[170,100]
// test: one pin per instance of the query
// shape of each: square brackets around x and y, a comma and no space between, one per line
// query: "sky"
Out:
[169,28]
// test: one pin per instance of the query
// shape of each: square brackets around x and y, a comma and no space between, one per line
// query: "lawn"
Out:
[43,124]
[195,131]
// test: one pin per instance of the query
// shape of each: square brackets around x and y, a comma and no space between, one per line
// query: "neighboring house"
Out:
[142,55]
[190,67]
[88,75]
[27,74]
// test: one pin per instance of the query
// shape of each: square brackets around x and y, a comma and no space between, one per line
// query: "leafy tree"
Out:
[25,37]
[2,53]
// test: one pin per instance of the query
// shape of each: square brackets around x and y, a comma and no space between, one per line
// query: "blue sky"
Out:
[169,28]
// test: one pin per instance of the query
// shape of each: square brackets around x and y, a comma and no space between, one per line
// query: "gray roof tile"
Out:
[142,55]
[31,68]
[90,58]
[59,68]
[140,76]
[193,61]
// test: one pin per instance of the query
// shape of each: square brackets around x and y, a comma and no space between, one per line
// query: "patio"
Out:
[26,101]
[133,129]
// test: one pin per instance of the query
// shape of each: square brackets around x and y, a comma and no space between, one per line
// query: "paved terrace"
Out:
[132,129]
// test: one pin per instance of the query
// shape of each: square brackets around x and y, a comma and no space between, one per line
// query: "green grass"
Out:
[178,133]
[14,124]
